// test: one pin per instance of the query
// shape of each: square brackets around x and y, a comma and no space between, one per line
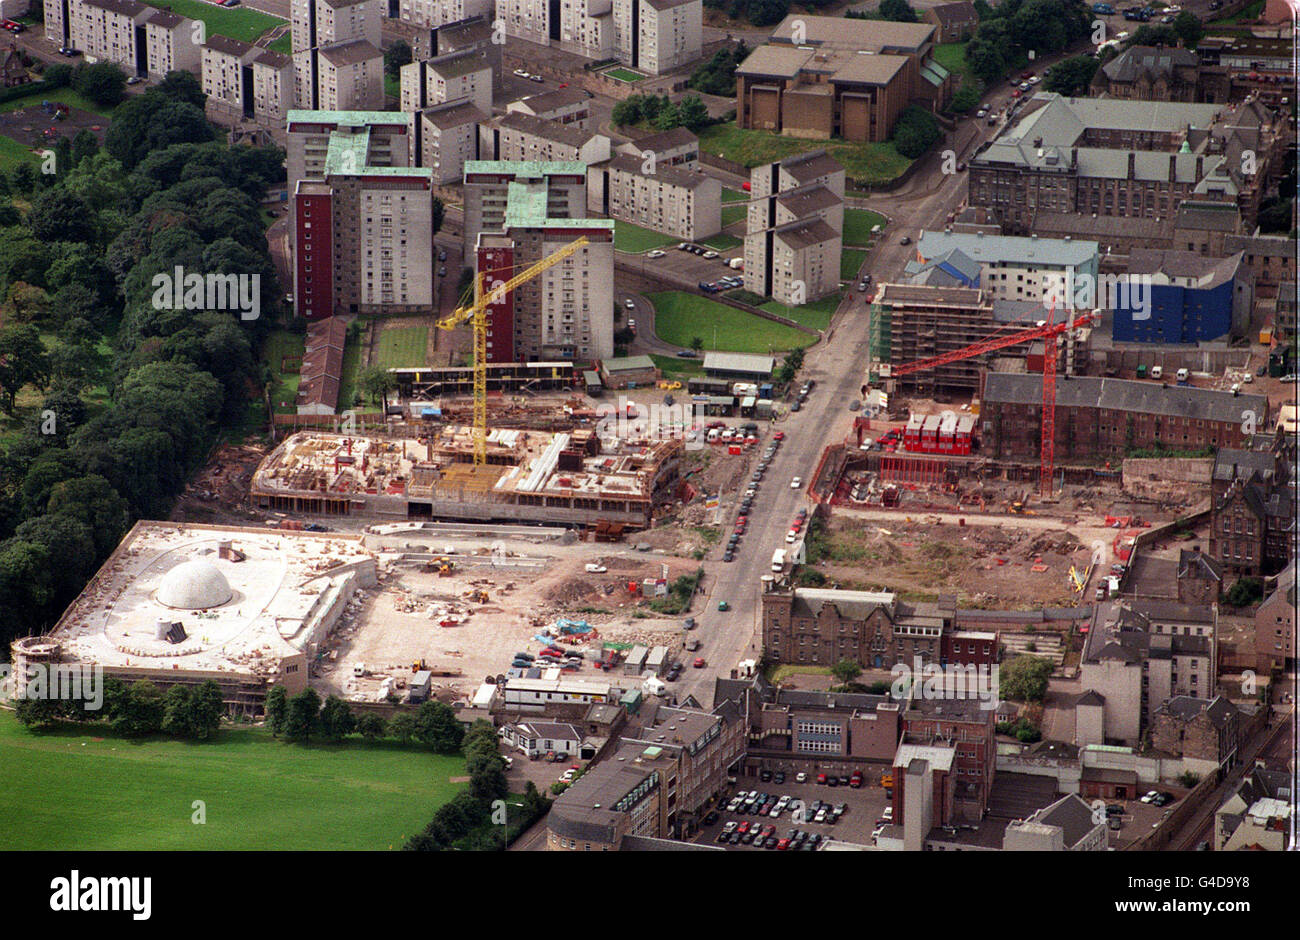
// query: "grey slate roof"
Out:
[1071,814]
[992,249]
[1199,565]
[1125,395]
[1136,61]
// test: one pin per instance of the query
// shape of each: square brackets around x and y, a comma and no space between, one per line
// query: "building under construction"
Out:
[570,477]
[246,608]
[914,322]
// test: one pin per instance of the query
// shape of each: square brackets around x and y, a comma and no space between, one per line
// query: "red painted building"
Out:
[313,212]
[496,258]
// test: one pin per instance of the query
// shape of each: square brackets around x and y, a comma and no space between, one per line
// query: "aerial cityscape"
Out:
[648,426]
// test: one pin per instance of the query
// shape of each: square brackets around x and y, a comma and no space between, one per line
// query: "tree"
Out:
[915,132]
[1245,591]
[402,726]
[627,111]
[846,670]
[61,216]
[439,211]
[140,711]
[697,343]
[371,727]
[1025,678]
[967,97]
[336,719]
[104,83]
[304,715]
[397,55]
[23,361]
[1189,29]
[692,113]
[206,709]
[377,382]
[900,11]
[277,709]
[437,727]
[667,117]
[1071,76]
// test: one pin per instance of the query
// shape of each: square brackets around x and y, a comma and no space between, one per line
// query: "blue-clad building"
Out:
[1185,298]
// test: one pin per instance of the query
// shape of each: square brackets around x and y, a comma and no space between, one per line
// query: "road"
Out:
[837,364]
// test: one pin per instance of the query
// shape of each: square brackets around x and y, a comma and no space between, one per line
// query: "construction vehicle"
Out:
[475,313]
[1048,332]
[887,780]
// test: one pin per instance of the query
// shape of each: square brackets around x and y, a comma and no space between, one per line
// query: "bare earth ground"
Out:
[397,625]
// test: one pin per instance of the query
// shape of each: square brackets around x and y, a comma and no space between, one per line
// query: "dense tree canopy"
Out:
[77,251]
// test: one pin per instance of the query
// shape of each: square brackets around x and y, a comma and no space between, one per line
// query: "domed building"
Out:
[194,585]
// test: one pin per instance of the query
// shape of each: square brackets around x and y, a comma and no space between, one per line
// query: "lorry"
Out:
[778,560]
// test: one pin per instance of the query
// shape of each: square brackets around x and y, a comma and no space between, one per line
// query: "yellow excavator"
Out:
[475,312]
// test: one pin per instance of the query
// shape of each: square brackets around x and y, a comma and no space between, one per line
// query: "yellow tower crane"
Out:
[476,313]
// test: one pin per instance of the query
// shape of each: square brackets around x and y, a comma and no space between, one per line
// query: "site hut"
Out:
[739,367]
[420,686]
[656,660]
[628,372]
[592,383]
[634,665]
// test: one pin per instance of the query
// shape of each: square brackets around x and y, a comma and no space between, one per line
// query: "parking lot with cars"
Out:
[807,813]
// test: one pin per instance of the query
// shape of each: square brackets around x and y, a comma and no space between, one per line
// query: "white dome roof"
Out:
[193,585]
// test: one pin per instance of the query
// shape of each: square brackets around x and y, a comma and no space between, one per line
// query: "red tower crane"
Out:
[1048,332]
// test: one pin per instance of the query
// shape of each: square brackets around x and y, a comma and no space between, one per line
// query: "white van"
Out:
[714,434]
[1182,375]
[1157,371]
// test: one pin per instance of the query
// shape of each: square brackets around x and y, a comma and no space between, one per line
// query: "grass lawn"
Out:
[348,380]
[624,75]
[794,669]
[62,96]
[862,161]
[733,195]
[13,153]
[851,262]
[952,56]
[680,316]
[392,86]
[238,23]
[723,242]
[733,213]
[283,45]
[674,367]
[816,314]
[858,224]
[67,789]
[634,238]
[402,347]
[284,385]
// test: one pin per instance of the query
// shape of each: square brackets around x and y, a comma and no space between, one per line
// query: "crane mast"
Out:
[1048,332]
[476,313]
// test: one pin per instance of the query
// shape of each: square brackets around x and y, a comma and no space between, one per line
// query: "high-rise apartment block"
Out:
[337,61]
[438,12]
[247,80]
[141,39]
[487,183]
[654,36]
[794,228]
[522,213]
[657,35]
[363,220]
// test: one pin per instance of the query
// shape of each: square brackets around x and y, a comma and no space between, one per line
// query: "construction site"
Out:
[574,477]
[459,601]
